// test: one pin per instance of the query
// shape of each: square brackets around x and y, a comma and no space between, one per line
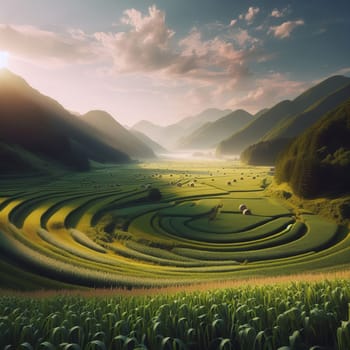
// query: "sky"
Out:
[163,60]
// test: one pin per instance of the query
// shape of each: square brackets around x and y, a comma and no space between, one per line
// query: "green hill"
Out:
[39,125]
[297,124]
[277,115]
[117,136]
[317,163]
[211,133]
[260,113]
[14,160]
[264,152]
[256,129]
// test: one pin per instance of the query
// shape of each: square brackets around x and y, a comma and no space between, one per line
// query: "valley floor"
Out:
[155,225]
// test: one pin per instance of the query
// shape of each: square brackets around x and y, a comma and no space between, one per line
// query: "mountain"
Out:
[297,124]
[255,130]
[168,136]
[211,133]
[192,123]
[148,128]
[317,163]
[156,147]
[278,114]
[260,113]
[39,125]
[164,135]
[116,135]
[266,151]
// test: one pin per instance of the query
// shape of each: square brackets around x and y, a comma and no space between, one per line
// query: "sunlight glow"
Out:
[4,56]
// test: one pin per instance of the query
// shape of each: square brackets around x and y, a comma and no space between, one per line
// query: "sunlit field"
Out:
[168,255]
[157,224]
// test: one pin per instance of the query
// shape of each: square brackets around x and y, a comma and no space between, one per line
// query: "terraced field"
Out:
[108,228]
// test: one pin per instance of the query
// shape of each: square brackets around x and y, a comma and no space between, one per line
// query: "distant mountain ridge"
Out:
[267,150]
[211,133]
[168,136]
[156,147]
[194,122]
[278,114]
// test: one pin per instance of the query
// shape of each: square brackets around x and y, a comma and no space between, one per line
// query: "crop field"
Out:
[148,228]
[105,229]
[299,315]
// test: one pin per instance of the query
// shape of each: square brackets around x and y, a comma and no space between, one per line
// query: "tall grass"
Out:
[297,315]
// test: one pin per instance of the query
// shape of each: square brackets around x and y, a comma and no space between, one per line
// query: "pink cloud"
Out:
[233,22]
[146,47]
[268,91]
[279,13]
[252,12]
[149,47]
[285,29]
[34,44]
[243,38]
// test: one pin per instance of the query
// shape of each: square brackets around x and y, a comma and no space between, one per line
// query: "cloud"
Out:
[250,15]
[149,47]
[205,68]
[146,47]
[285,29]
[343,71]
[268,91]
[243,38]
[32,43]
[213,60]
[209,68]
[279,13]
[233,22]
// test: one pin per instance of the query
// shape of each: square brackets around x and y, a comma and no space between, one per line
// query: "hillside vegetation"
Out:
[116,135]
[317,163]
[264,152]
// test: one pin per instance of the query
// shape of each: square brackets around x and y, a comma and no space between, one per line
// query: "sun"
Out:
[4,57]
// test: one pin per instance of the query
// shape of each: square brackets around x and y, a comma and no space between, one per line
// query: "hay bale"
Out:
[242,207]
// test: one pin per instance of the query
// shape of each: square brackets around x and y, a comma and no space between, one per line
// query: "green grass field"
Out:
[105,225]
[103,229]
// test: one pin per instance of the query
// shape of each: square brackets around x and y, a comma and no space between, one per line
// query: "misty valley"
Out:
[89,205]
